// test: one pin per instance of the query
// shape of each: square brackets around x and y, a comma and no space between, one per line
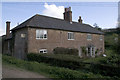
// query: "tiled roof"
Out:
[40,21]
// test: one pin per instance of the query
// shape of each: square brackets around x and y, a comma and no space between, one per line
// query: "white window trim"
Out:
[43,37]
[87,37]
[43,50]
[71,39]
[73,35]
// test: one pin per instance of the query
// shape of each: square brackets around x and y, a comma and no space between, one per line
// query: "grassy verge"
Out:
[52,71]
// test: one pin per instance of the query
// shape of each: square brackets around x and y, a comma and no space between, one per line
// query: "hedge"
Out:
[55,61]
[61,50]
[105,70]
[76,65]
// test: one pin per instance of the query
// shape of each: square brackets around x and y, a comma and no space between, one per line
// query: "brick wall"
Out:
[58,38]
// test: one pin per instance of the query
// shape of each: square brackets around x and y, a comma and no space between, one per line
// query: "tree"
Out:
[96,26]
[118,47]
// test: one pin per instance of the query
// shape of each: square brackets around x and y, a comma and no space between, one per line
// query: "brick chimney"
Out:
[80,20]
[7,29]
[68,14]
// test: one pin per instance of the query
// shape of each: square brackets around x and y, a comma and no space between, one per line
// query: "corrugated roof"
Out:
[46,22]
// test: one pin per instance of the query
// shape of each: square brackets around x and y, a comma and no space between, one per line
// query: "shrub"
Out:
[61,50]
[84,50]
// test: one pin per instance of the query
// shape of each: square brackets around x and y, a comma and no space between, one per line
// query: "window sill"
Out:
[89,39]
[40,39]
[71,39]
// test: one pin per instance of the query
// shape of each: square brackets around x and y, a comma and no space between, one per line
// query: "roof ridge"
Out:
[30,19]
[57,18]
[52,17]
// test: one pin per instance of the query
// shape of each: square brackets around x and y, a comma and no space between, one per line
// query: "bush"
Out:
[84,51]
[61,50]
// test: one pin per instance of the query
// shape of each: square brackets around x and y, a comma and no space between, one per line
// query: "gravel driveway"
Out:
[12,72]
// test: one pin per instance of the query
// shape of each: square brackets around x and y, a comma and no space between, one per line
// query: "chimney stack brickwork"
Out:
[7,29]
[68,14]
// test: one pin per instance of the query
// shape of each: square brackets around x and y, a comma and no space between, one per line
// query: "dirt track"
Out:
[12,72]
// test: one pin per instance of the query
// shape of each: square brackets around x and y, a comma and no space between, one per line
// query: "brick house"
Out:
[41,34]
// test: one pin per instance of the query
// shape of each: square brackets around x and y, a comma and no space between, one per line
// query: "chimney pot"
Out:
[80,20]
[7,29]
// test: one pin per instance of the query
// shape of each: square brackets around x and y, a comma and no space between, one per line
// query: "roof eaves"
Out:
[68,30]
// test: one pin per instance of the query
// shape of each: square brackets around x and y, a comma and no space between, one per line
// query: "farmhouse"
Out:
[41,34]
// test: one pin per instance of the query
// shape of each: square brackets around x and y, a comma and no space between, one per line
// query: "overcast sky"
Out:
[105,14]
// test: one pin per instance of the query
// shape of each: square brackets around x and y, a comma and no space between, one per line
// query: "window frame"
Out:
[22,35]
[43,35]
[101,37]
[44,51]
[89,35]
[69,36]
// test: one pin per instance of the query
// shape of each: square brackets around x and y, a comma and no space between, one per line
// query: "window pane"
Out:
[70,35]
[45,35]
[45,51]
[101,38]
[37,33]
[45,32]
[41,34]
[89,36]
[41,51]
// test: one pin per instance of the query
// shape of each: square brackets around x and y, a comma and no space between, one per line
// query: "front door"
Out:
[91,51]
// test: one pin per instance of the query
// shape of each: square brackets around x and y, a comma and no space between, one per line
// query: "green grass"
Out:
[51,71]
